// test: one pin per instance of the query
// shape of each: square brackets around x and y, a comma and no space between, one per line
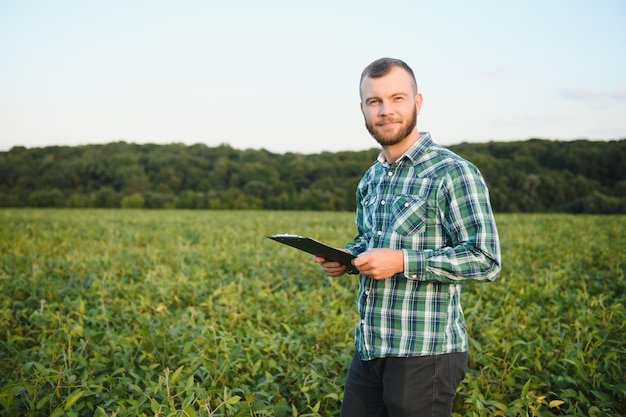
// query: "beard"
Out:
[393,138]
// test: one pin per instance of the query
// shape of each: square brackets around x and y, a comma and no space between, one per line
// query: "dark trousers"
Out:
[422,386]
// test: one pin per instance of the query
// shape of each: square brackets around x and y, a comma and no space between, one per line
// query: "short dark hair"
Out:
[382,66]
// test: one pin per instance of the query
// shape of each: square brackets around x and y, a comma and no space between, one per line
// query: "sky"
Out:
[283,75]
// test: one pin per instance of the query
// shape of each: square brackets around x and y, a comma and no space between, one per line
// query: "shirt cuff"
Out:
[414,264]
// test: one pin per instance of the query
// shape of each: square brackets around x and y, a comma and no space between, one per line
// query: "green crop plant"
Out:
[196,313]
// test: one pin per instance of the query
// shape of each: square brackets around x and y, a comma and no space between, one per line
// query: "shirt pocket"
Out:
[410,215]
[370,211]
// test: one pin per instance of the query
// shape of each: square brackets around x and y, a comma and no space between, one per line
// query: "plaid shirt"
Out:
[433,205]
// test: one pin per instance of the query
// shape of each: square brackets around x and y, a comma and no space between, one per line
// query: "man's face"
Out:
[390,106]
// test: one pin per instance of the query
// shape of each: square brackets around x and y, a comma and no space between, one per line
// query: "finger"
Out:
[360,262]
[318,259]
[334,270]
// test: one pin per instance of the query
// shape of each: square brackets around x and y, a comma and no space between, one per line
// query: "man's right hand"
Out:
[331,268]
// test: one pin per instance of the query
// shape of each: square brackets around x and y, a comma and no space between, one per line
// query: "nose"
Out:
[385,108]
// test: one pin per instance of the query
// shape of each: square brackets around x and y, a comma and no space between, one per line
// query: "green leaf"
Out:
[525,389]
[57,412]
[42,402]
[233,400]
[556,403]
[189,400]
[72,398]
[189,411]
[155,406]
[176,374]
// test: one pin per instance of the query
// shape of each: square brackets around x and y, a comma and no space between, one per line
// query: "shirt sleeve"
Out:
[472,249]
[360,243]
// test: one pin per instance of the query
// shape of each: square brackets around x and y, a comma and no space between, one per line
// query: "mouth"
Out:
[387,123]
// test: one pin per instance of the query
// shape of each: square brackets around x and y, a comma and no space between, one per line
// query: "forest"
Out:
[536,175]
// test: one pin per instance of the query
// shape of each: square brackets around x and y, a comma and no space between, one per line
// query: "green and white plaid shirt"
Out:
[433,205]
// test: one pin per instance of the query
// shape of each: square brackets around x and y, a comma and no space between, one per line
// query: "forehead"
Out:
[396,81]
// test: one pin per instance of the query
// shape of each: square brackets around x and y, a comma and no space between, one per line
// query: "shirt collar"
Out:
[414,153]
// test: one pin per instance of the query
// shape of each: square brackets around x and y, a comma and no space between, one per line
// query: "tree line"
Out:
[525,176]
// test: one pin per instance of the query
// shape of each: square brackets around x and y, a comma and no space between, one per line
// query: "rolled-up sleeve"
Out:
[472,251]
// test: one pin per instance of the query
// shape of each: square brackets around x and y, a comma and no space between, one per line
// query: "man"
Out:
[425,226]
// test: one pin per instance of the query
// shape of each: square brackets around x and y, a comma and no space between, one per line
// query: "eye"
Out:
[373,102]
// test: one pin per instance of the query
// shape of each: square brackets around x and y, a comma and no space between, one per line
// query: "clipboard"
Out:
[317,248]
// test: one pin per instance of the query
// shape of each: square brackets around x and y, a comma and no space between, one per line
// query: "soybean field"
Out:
[197,313]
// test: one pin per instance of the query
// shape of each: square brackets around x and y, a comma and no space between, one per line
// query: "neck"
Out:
[393,152]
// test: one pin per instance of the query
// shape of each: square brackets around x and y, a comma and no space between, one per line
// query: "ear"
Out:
[418,102]
[361,107]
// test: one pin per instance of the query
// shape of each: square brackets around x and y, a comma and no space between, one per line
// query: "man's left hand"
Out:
[380,263]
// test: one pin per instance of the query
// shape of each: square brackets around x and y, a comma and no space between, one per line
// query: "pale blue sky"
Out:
[283,75]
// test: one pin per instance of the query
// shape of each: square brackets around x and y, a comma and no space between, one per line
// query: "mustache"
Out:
[388,120]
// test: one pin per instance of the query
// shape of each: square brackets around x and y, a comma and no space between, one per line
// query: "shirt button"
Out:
[379,233]
[362,321]
[406,204]
[382,202]
[390,173]
[414,275]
